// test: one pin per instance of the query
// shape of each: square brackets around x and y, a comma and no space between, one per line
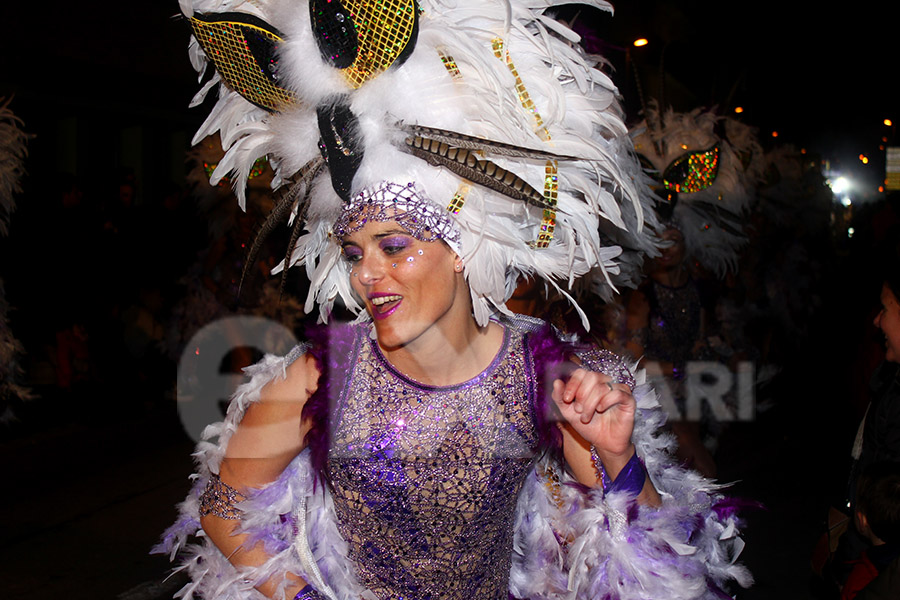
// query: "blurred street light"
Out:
[840,185]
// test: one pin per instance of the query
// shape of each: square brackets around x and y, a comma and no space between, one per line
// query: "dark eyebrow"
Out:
[379,236]
[391,232]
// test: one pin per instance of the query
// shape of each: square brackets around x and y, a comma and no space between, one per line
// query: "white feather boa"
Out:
[570,543]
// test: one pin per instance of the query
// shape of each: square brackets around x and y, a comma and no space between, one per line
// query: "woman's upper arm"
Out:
[272,431]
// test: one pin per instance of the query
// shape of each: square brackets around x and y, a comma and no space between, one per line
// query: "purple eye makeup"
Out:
[394,244]
[351,253]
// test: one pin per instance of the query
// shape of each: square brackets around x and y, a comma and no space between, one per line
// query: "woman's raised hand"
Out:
[600,411]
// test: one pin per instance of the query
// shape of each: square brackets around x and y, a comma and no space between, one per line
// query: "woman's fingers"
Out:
[576,378]
[588,396]
[589,393]
[616,395]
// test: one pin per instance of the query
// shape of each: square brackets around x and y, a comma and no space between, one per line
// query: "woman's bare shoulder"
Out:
[273,430]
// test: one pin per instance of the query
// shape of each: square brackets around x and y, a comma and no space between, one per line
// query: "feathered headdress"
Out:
[706,169]
[488,106]
[12,157]
[216,202]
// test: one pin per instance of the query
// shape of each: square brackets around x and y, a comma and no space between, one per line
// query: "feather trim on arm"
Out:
[573,542]
[268,513]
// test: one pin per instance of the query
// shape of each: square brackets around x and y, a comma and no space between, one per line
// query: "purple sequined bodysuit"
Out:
[426,478]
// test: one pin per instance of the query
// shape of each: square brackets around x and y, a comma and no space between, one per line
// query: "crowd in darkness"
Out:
[95,272]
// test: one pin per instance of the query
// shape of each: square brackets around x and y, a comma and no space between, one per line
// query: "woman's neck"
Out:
[444,358]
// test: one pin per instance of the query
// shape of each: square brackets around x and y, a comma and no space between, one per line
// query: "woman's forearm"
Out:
[271,433]
[221,533]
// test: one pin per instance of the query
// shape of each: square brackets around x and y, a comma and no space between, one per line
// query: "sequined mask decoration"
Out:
[404,204]
[692,172]
[364,38]
[244,51]
[259,167]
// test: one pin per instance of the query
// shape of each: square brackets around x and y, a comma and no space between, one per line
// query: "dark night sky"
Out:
[819,77]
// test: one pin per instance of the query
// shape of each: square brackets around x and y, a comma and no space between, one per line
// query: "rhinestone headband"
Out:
[404,204]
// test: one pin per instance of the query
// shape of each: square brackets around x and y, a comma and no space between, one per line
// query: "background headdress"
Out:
[13,151]
[216,203]
[12,162]
[793,191]
[706,169]
[488,106]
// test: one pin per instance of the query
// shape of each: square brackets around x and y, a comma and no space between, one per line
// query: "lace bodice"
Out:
[426,478]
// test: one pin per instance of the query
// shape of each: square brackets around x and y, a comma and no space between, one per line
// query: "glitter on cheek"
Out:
[421,252]
[410,259]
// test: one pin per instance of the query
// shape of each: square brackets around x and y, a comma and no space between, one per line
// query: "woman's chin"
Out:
[388,336]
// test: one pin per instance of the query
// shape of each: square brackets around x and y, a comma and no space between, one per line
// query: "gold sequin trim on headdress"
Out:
[449,64]
[459,198]
[240,48]
[551,179]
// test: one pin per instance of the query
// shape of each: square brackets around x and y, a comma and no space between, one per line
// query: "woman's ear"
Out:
[458,264]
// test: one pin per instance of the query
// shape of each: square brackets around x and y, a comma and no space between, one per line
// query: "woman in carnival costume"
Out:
[438,447]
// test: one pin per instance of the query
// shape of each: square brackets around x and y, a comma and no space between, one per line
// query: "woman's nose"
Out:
[369,271]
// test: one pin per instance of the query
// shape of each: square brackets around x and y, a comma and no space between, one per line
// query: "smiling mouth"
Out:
[382,306]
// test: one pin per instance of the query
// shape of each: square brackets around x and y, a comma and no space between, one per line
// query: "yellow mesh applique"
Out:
[458,200]
[383,28]
[225,44]
[449,64]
